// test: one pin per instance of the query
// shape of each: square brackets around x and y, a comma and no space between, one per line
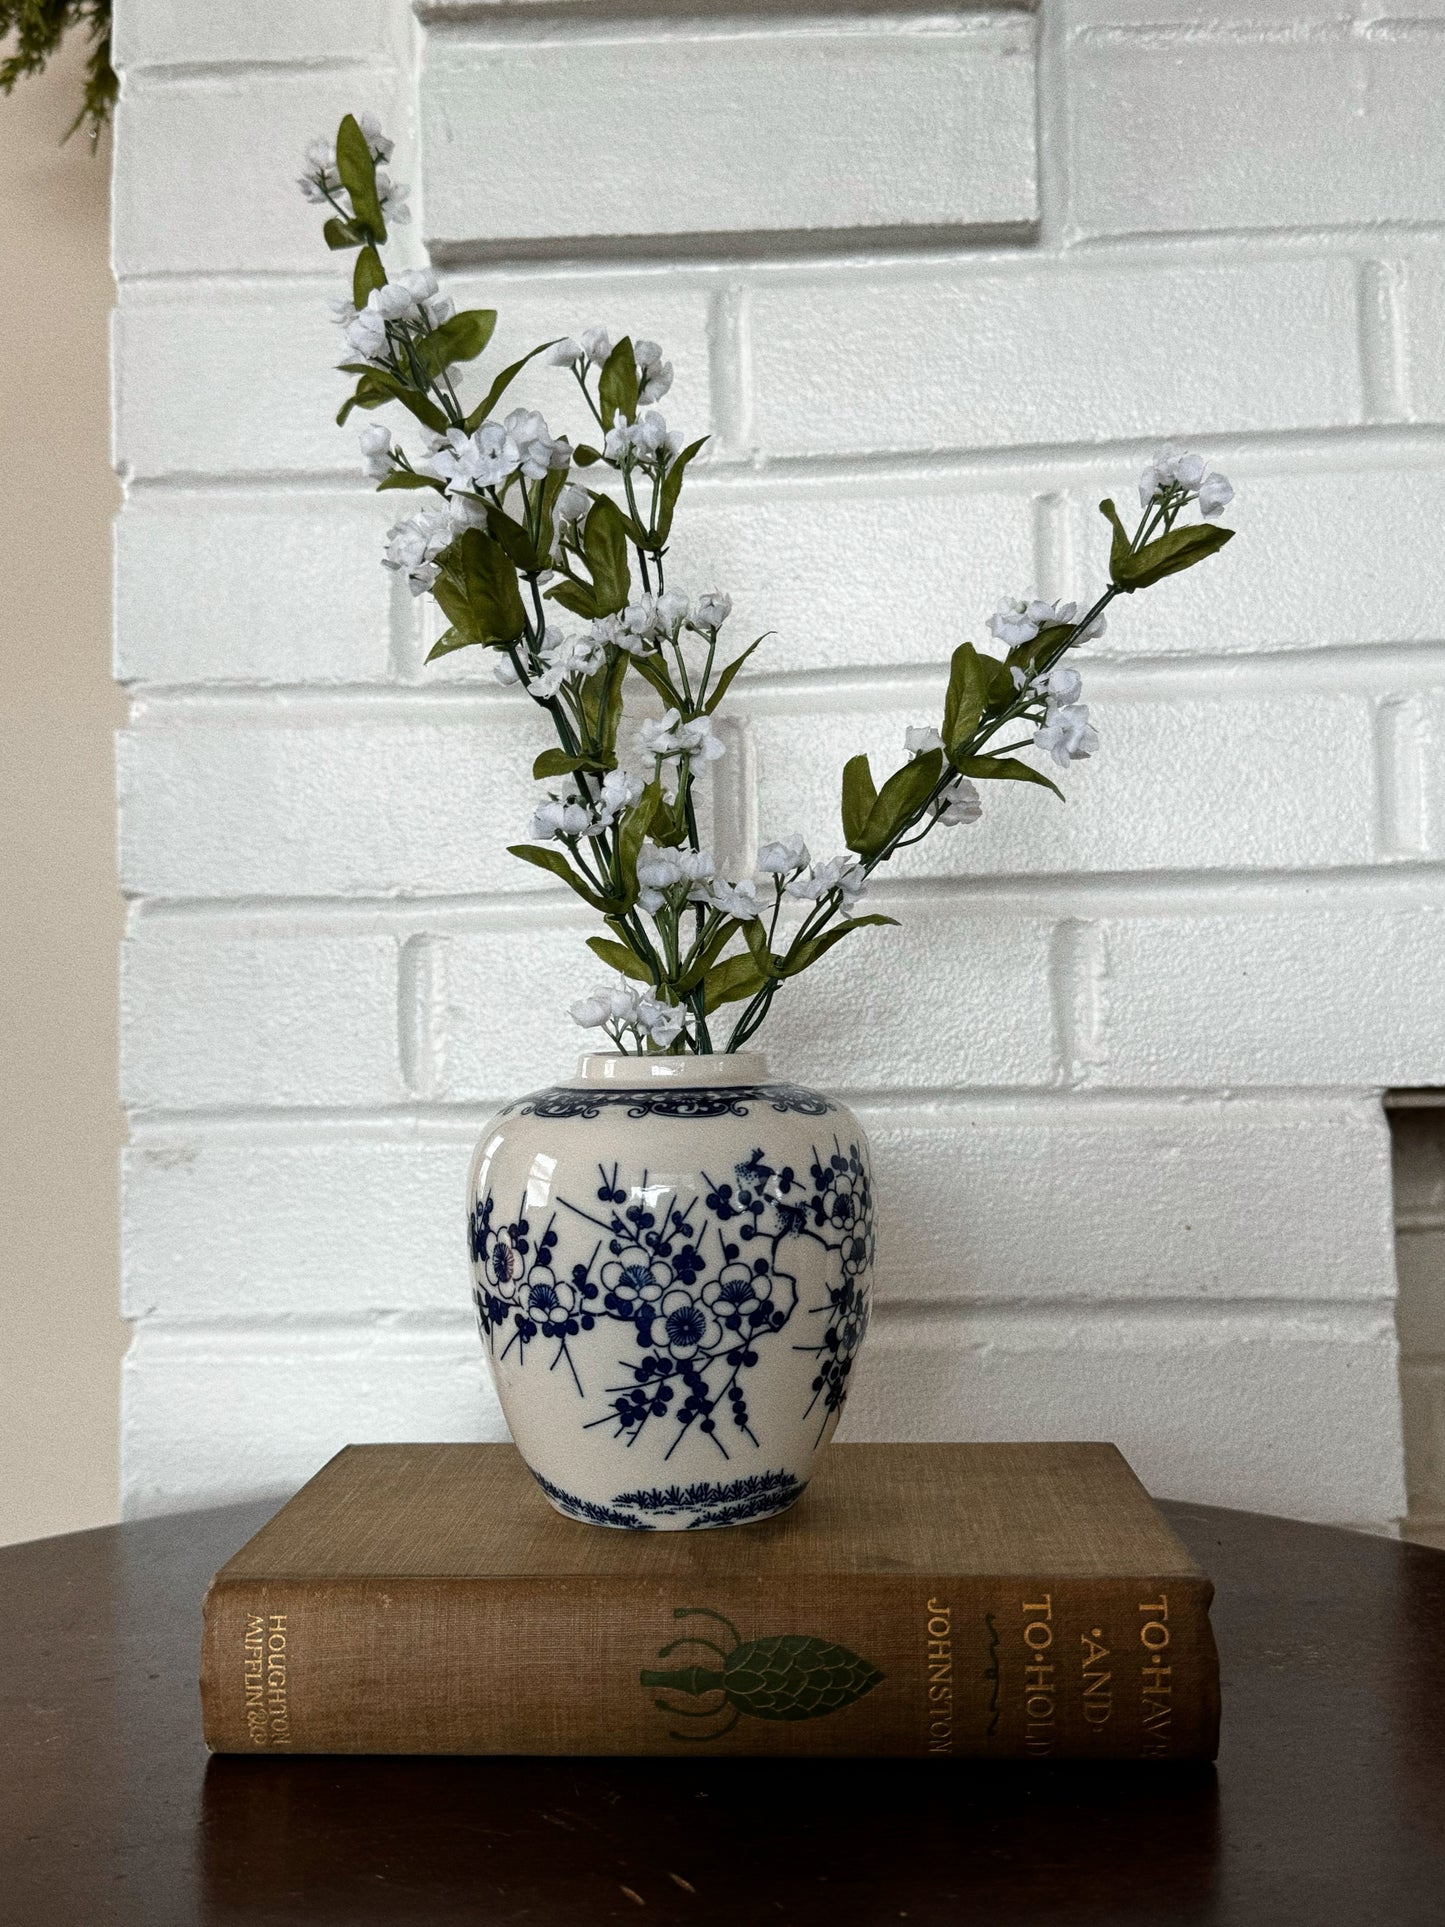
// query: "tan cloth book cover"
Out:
[1009,1601]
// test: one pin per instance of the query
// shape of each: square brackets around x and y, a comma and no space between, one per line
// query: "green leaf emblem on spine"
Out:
[787,1676]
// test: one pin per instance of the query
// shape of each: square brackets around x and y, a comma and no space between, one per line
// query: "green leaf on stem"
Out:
[1119,546]
[1003,769]
[808,953]
[724,681]
[604,547]
[477,590]
[503,382]
[671,489]
[340,234]
[553,483]
[618,956]
[556,762]
[899,802]
[378,386]
[631,832]
[404,478]
[603,713]
[576,596]
[557,865]
[717,941]
[514,541]
[461,339]
[976,684]
[449,641]
[730,981]
[669,827]
[756,939]
[859,796]
[358,176]
[1028,656]
[652,670]
[1179,549]
[617,384]
[366,275]
[584,456]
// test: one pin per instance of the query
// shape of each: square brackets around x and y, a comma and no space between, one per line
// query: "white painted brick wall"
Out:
[933,282]
[1006,353]
[809,114]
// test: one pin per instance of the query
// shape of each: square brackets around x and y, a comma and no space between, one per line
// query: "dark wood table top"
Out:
[1328,1804]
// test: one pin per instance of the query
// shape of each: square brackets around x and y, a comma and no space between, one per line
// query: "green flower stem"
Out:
[661,945]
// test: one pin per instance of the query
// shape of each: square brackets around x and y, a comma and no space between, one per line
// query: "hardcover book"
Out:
[994,1601]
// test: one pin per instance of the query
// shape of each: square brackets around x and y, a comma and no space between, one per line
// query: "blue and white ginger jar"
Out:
[671,1264]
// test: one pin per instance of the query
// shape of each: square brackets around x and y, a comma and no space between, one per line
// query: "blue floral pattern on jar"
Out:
[692,1291]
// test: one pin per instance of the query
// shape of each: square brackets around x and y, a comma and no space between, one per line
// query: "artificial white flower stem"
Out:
[603,814]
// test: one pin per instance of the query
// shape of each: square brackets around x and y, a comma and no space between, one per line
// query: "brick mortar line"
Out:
[1274,452]
[716,249]
[438,1122]
[991,28]
[447,14]
[1384,346]
[1114,896]
[1353,1320]
[1368,670]
[1006,247]
[1401,764]
[1250,33]
[170,80]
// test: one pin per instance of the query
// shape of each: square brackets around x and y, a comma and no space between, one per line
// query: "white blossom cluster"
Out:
[412,547]
[958,801]
[792,897]
[492,455]
[648,439]
[1065,732]
[594,345]
[668,735]
[574,815]
[673,878]
[1017,621]
[1175,475]
[644,625]
[564,658]
[412,298]
[321,183]
[628,1010]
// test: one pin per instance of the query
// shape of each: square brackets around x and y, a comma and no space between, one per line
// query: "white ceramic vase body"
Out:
[671,1264]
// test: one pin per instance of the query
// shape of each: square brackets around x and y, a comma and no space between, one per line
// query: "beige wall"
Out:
[60,1332]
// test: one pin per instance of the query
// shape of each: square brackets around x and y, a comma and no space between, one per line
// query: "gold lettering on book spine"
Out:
[264,1681]
[1098,1694]
[1156,1679]
[1040,1701]
[938,1714]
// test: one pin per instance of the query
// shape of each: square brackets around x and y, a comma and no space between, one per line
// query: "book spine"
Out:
[1025,1668]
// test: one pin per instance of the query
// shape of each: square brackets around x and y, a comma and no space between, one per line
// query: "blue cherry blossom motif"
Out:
[689,1264]
[635,1280]
[741,1297]
[683,1327]
[506,1256]
[720,1201]
[700,1282]
[551,1304]
[841,1202]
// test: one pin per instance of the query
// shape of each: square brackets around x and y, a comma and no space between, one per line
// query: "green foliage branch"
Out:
[523,548]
